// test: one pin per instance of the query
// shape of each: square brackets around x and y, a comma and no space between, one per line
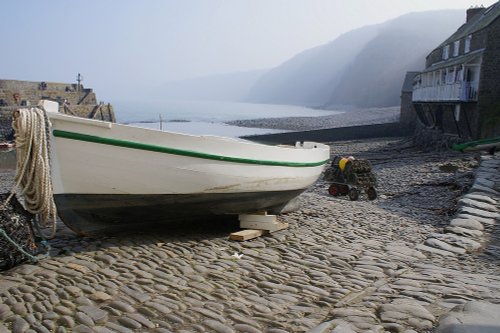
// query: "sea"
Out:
[206,117]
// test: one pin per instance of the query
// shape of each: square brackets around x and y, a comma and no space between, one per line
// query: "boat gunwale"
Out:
[174,151]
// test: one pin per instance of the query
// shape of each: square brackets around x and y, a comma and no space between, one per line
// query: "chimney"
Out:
[473,11]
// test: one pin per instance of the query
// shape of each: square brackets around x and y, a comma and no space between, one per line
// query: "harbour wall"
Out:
[73,99]
[336,134]
[15,92]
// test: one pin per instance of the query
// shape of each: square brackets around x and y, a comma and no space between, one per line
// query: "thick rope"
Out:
[32,178]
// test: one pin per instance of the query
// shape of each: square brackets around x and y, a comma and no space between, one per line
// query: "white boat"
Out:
[107,175]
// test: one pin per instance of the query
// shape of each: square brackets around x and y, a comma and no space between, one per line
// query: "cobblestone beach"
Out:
[341,266]
[353,117]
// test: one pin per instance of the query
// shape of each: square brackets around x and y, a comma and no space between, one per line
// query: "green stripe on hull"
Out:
[174,151]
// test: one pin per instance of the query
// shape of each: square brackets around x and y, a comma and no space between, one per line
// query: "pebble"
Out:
[434,250]
[467,224]
[478,204]
[444,246]
[217,326]
[479,212]
[456,240]
[483,220]
[83,329]
[84,319]
[129,323]
[121,306]
[481,197]
[99,316]
[341,266]
[20,325]
[19,309]
[464,232]
[484,189]
[63,310]
[142,320]
[101,329]
[471,317]
[100,296]
[67,321]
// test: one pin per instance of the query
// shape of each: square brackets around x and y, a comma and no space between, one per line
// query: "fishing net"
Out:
[17,241]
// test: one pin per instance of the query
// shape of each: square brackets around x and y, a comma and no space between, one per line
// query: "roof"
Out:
[477,22]
[408,82]
[455,61]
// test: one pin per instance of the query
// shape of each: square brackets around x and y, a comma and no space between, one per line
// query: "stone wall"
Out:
[100,112]
[335,134]
[27,85]
[13,92]
[6,125]
[72,98]
[489,89]
[408,114]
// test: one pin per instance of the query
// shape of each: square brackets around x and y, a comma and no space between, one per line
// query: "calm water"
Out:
[206,128]
[206,118]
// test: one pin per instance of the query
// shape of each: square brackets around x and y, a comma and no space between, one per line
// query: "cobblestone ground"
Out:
[341,264]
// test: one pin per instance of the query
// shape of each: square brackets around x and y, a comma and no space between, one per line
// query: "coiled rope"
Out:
[32,180]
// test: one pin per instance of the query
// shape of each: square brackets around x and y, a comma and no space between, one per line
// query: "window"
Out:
[456,48]
[468,39]
[459,72]
[446,52]
[450,75]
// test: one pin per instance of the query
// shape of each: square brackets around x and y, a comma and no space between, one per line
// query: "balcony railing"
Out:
[454,92]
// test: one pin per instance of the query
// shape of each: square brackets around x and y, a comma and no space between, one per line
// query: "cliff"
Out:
[363,68]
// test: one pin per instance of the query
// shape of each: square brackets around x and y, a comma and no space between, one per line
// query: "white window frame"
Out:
[467,43]
[456,48]
[446,52]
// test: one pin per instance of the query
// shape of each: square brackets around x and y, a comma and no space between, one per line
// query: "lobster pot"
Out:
[359,166]
[16,226]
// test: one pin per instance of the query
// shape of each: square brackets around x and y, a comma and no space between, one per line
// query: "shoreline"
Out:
[355,117]
[320,117]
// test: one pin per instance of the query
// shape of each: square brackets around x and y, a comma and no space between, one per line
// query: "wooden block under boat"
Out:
[247,234]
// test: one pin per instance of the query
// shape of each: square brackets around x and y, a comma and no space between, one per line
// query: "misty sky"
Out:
[120,44]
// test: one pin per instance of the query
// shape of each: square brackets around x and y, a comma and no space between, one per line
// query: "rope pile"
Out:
[32,179]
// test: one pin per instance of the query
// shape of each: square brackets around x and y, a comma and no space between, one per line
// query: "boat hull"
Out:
[91,214]
[106,176]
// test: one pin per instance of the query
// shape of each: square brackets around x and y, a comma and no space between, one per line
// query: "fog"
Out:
[126,48]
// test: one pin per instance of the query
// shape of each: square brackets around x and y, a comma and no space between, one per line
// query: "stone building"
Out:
[73,99]
[458,92]
[408,114]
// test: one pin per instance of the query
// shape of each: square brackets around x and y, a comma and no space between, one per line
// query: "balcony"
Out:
[454,92]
